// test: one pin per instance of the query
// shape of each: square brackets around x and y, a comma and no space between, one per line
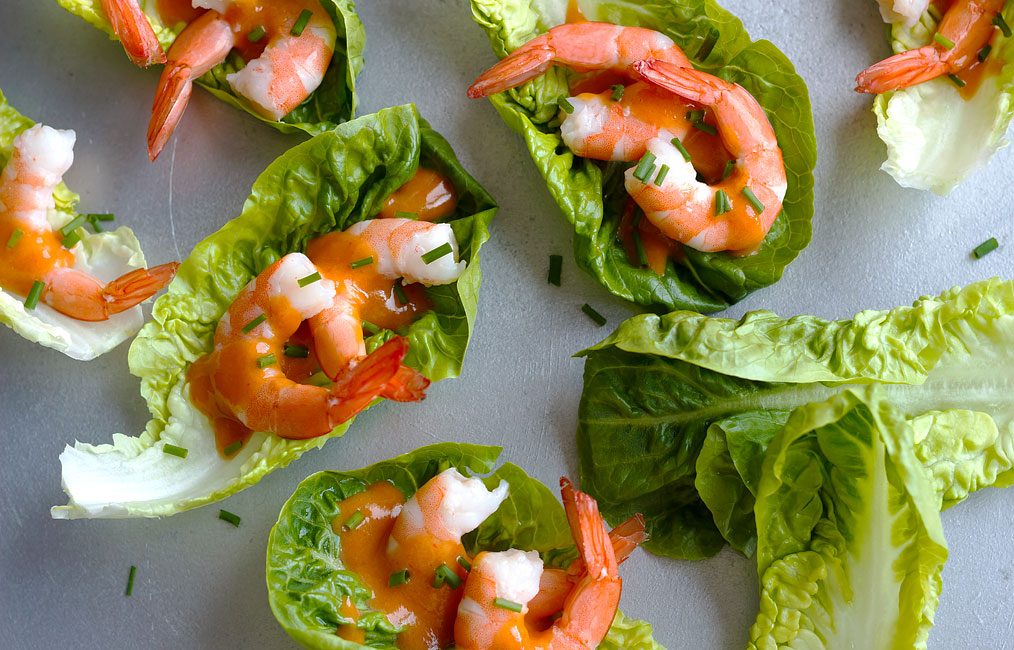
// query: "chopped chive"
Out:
[34,294]
[70,241]
[354,521]
[254,323]
[985,248]
[662,171]
[230,517]
[754,201]
[256,34]
[407,215]
[695,115]
[73,225]
[503,603]
[444,575]
[642,255]
[399,578]
[565,106]
[589,311]
[1002,24]
[319,379]
[370,328]
[705,127]
[173,450]
[722,204]
[100,216]
[645,166]
[683,150]
[464,563]
[618,92]
[943,40]
[984,53]
[297,351]
[708,45]
[266,360]
[442,250]
[729,166]
[301,22]
[310,279]
[400,298]
[129,591]
[958,81]
[555,269]
[358,264]
[233,448]
[15,237]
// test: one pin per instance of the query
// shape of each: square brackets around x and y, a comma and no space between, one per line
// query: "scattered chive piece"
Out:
[370,328]
[985,248]
[407,215]
[984,52]
[297,351]
[266,360]
[442,250]
[1002,24]
[707,128]
[445,576]
[233,519]
[662,171]
[101,216]
[354,521]
[722,204]
[310,279]
[358,264]
[754,201]
[958,81]
[565,106]
[256,34]
[708,45]
[599,319]
[555,269]
[729,166]
[943,40]
[254,323]
[173,450]
[319,379]
[683,150]
[465,564]
[503,603]
[34,294]
[642,255]
[618,92]
[73,225]
[645,166]
[233,448]
[695,115]
[70,241]
[399,578]
[130,581]
[301,22]
[399,293]
[15,237]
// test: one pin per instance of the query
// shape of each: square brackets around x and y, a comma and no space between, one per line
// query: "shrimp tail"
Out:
[131,26]
[588,528]
[902,70]
[131,289]
[523,64]
[688,83]
[174,88]
[356,387]
[408,385]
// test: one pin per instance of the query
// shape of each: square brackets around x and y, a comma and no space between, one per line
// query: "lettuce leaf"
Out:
[934,136]
[307,581]
[332,103]
[591,195]
[678,410]
[105,255]
[325,184]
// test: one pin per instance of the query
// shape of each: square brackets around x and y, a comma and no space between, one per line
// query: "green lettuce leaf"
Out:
[591,195]
[325,184]
[307,580]
[934,136]
[105,255]
[678,410]
[332,103]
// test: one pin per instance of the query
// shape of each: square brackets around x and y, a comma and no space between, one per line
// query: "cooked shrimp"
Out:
[965,29]
[290,68]
[690,211]
[136,35]
[243,368]
[583,47]
[35,254]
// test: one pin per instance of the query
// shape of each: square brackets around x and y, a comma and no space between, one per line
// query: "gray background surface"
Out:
[200,582]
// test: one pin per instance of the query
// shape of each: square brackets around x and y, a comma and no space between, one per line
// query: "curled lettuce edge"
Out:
[106,255]
[325,184]
[591,200]
[307,583]
[332,103]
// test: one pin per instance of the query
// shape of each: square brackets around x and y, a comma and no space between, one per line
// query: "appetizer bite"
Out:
[306,309]
[417,553]
[943,100]
[61,286]
[681,152]
[292,63]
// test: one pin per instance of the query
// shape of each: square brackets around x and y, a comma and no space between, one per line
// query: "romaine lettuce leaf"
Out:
[105,255]
[326,184]
[677,410]
[332,103]
[591,196]
[307,581]
[934,136]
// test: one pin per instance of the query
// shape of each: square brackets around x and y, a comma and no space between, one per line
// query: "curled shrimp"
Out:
[736,213]
[35,254]
[965,29]
[290,68]
[136,35]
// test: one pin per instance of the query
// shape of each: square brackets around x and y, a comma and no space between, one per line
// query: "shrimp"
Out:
[291,67]
[500,586]
[735,214]
[583,47]
[136,35]
[966,28]
[246,379]
[35,253]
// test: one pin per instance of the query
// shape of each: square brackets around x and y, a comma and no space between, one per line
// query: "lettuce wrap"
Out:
[104,255]
[591,193]
[307,582]
[326,184]
[332,103]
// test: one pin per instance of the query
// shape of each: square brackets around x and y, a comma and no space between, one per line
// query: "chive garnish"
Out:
[266,360]
[73,225]
[707,128]
[589,311]
[683,150]
[301,22]
[173,450]
[729,166]
[984,52]
[399,293]
[130,581]
[695,115]
[94,219]
[555,269]
[565,106]
[442,250]
[399,578]
[645,167]
[662,171]
[445,576]
[256,34]
[297,351]
[370,328]
[354,521]
[754,201]
[642,255]
[407,215]
[958,81]
[943,40]
[230,517]
[254,323]
[358,264]
[708,45]
[32,301]
[1002,24]
[618,92]
[503,603]
[71,240]
[985,248]
[722,204]
[319,379]
[464,563]
[232,448]
[310,279]
[15,237]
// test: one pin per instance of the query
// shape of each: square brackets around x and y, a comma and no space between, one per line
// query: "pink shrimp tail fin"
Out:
[901,71]
[408,385]
[174,88]
[589,531]
[689,83]
[375,376]
[131,289]
[136,35]
[523,64]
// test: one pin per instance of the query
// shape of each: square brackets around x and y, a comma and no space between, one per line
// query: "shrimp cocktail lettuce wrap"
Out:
[681,151]
[351,275]
[944,100]
[417,552]
[64,282]
[291,63]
